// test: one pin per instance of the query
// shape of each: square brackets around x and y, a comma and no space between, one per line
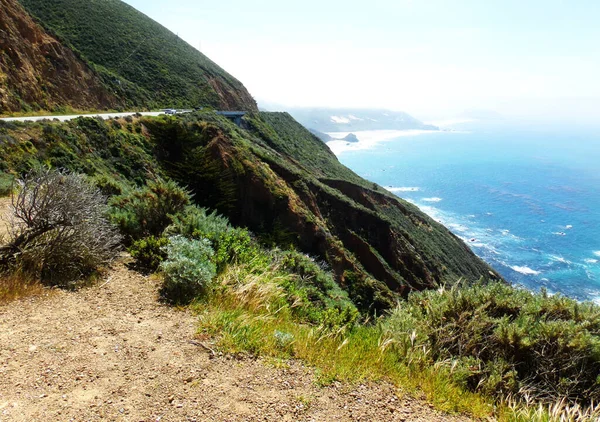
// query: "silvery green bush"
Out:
[188,269]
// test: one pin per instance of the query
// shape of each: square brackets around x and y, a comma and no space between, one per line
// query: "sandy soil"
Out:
[112,352]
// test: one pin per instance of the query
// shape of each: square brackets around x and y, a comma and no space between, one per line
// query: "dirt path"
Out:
[111,352]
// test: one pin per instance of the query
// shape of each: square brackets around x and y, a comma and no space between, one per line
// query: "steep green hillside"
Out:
[142,62]
[273,177]
[37,72]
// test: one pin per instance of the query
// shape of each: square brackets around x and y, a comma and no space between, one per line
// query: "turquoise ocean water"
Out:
[527,201]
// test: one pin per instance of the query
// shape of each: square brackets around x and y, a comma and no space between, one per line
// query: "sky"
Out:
[431,58]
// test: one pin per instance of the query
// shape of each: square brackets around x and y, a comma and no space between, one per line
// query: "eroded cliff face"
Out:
[231,97]
[38,73]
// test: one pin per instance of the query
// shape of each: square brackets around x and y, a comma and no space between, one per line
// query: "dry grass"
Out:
[560,411]
[5,204]
[18,285]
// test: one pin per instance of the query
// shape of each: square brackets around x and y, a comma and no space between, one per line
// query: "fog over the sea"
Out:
[435,59]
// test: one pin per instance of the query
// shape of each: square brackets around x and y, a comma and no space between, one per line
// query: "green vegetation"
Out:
[376,244]
[502,341]
[149,210]
[188,269]
[148,253]
[471,348]
[145,64]
[479,350]
[6,184]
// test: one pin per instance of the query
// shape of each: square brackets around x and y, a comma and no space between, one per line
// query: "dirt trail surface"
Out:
[112,352]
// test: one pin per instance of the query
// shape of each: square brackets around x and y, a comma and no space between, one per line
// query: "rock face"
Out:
[38,72]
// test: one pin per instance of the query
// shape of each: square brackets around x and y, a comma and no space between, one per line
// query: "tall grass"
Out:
[248,314]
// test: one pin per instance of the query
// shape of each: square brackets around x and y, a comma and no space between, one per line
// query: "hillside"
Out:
[273,177]
[38,72]
[142,63]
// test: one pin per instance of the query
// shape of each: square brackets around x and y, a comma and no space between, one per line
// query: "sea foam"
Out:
[434,199]
[402,189]
[525,270]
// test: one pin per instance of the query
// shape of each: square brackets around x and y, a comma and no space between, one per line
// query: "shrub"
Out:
[323,301]
[149,210]
[503,341]
[230,244]
[108,185]
[188,269]
[6,184]
[59,230]
[149,253]
[196,222]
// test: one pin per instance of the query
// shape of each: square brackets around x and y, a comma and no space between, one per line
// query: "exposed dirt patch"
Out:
[112,352]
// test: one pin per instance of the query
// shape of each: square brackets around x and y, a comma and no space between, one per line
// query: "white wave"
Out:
[597,253]
[560,259]
[525,270]
[434,199]
[368,139]
[458,227]
[568,227]
[402,189]
[590,261]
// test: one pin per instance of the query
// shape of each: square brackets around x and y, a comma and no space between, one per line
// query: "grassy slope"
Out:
[140,60]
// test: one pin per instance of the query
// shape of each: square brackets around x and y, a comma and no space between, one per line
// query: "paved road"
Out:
[74,116]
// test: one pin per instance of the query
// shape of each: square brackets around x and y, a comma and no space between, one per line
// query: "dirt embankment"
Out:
[37,71]
[112,352]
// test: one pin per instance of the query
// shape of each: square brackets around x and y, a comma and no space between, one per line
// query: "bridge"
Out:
[234,116]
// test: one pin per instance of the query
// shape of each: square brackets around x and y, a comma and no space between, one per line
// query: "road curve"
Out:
[74,116]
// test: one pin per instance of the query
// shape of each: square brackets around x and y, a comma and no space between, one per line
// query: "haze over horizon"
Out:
[432,59]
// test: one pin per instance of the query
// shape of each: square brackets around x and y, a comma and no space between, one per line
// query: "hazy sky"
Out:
[432,58]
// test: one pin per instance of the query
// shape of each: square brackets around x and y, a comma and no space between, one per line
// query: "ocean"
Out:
[526,200]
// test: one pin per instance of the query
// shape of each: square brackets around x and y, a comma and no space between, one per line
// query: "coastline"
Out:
[371,138]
